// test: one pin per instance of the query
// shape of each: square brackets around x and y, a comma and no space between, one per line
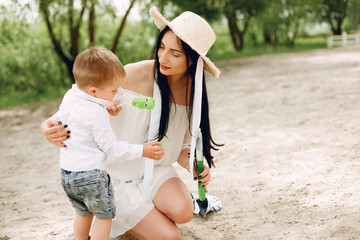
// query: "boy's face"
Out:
[108,91]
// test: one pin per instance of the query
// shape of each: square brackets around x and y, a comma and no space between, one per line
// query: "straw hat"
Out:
[193,30]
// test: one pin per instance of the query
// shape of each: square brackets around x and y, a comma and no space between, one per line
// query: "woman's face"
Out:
[171,56]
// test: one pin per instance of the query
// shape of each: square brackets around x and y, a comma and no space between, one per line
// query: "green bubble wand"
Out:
[141,102]
[202,201]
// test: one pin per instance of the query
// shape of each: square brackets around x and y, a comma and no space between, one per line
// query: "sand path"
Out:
[290,167]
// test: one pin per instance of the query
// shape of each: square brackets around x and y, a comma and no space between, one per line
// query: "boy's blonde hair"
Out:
[96,67]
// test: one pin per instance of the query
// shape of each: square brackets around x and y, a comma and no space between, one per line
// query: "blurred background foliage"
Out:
[39,39]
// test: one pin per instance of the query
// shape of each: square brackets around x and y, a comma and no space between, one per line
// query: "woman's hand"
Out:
[54,131]
[183,161]
[205,174]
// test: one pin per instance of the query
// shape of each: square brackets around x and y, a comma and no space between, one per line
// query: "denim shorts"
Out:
[90,192]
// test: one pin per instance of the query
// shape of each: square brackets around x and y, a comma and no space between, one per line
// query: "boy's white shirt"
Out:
[92,137]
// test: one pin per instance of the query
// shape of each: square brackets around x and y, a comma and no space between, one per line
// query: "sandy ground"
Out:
[290,167]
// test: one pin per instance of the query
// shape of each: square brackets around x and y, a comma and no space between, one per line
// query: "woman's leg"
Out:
[174,200]
[173,203]
[155,225]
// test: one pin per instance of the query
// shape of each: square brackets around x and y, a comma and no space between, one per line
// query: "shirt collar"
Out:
[88,97]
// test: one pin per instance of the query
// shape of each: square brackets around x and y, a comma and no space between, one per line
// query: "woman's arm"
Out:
[183,161]
[54,131]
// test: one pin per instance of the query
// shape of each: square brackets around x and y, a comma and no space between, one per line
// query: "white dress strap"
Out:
[153,130]
[196,112]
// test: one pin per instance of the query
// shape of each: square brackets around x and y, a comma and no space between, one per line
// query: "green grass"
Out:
[223,48]
[9,101]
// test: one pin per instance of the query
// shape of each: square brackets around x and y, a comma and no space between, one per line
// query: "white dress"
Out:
[133,201]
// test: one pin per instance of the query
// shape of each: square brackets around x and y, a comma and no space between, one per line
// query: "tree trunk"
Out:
[241,34]
[232,34]
[273,40]
[267,37]
[237,36]
[121,27]
[91,23]
[75,32]
[68,62]
[338,26]
[290,40]
[233,31]
[253,38]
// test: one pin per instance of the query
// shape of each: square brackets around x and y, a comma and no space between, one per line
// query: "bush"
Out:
[29,67]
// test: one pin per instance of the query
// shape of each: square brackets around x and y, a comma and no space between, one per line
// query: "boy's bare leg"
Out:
[101,229]
[82,225]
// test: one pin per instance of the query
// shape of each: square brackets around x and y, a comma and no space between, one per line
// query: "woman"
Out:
[149,213]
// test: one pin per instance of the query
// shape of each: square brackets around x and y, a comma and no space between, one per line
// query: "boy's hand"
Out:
[153,150]
[112,108]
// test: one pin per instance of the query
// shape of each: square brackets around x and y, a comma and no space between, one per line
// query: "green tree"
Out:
[283,19]
[334,12]
[293,15]
[27,61]
[271,22]
[354,13]
[240,12]
[64,20]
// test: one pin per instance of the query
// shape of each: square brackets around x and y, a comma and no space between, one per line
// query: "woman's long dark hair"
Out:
[166,95]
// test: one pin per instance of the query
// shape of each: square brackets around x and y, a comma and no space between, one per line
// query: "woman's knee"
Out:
[179,208]
[183,214]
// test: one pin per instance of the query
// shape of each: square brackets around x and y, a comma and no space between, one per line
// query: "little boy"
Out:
[98,73]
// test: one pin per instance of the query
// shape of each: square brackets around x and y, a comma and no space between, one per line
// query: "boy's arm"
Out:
[105,137]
